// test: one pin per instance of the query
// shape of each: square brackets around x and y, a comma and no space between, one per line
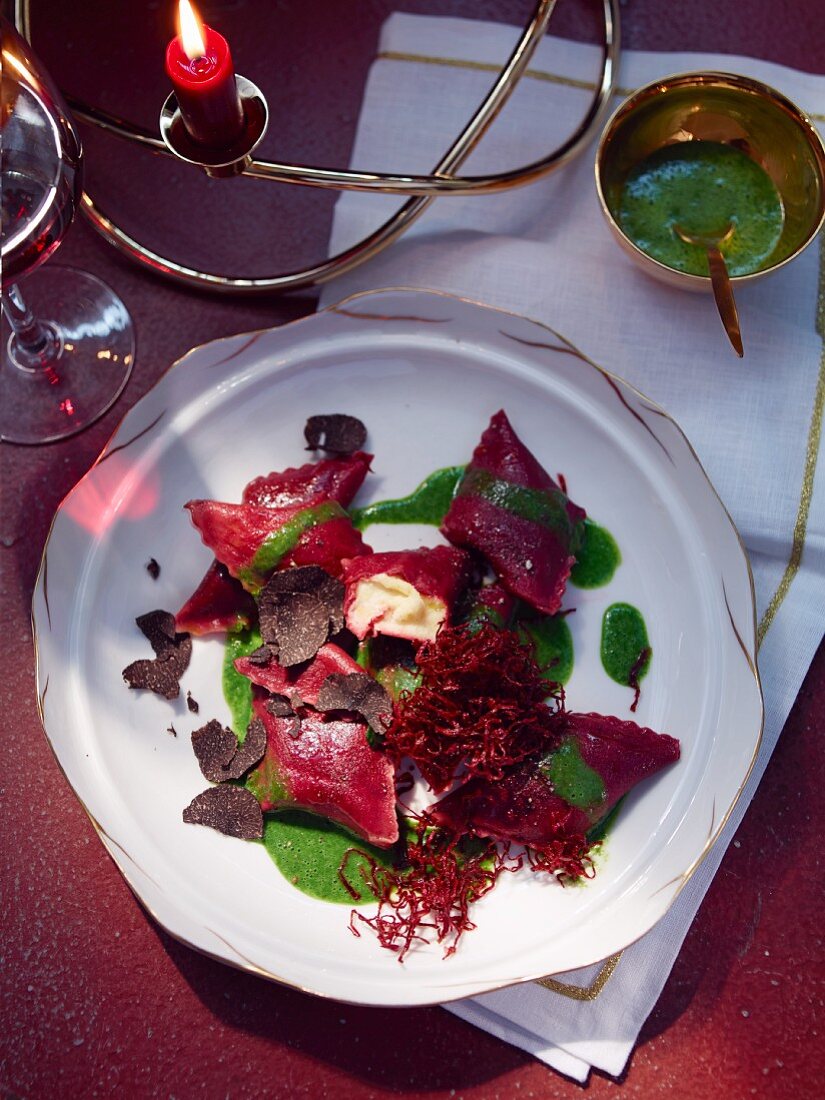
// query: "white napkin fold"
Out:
[544,251]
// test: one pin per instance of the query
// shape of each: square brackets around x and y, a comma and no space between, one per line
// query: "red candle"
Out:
[199,64]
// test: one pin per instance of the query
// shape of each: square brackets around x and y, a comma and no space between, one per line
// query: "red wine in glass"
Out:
[69,347]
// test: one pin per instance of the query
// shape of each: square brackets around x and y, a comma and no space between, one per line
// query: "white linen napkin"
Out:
[544,251]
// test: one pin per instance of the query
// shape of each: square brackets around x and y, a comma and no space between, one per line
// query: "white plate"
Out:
[425,372]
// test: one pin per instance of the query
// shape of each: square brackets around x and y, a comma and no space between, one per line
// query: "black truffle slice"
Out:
[294,729]
[359,692]
[279,706]
[336,433]
[231,810]
[214,746]
[314,581]
[160,677]
[191,703]
[299,625]
[219,754]
[298,610]
[252,750]
[261,656]
[173,652]
[159,628]
[153,569]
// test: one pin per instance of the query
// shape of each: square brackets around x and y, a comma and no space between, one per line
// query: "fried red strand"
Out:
[430,896]
[566,858]
[481,703]
[635,674]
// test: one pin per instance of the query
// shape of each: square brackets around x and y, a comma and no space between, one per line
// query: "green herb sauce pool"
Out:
[309,850]
[428,503]
[624,641]
[597,559]
[552,644]
[237,690]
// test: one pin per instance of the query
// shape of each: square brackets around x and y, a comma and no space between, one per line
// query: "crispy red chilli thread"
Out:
[430,896]
[566,858]
[635,673]
[482,702]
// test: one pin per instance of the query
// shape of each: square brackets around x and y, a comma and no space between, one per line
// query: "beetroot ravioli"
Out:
[509,509]
[220,602]
[564,791]
[326,765]
[302,683]
[358,663]
[337,479]
[406,593]
[253,541]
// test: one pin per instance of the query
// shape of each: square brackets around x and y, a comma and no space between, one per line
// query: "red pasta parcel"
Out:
[509,509]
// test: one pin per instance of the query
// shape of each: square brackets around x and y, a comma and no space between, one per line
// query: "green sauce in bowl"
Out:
[704,187]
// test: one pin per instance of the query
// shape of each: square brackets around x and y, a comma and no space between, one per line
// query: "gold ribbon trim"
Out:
[811,455]
[529,74]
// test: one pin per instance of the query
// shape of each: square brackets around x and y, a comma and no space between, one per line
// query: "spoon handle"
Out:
[725,302]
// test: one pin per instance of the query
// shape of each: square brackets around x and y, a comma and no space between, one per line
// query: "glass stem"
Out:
[34,344]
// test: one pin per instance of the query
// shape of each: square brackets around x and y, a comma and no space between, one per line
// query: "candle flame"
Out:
[190,31]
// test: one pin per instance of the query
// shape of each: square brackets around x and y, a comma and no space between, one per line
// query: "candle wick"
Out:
[191,34]
[190,56]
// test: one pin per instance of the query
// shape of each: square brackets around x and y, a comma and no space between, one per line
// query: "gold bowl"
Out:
[722,107]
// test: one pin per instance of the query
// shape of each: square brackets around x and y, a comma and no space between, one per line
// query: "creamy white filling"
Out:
[390,605]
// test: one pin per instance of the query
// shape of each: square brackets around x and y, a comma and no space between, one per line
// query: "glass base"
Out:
[85,373]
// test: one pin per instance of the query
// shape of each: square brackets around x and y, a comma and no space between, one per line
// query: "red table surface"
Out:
[98,1000]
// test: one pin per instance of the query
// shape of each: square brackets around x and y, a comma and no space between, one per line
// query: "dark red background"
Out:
[96,999]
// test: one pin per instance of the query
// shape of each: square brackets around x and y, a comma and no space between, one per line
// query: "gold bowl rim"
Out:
[709,78]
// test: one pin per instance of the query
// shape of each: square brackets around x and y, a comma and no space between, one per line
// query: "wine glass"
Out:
[72,345]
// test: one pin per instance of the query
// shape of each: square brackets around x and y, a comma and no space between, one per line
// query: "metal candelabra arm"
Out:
[421,189]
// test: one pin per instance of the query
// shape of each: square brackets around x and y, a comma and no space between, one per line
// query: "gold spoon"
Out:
[719,279]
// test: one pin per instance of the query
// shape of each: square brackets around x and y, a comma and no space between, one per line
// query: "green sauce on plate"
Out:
[702,186]
[597,559]
[553,646]
[308,850]
[624,640]
[428,503]
[237,690]
[573,779]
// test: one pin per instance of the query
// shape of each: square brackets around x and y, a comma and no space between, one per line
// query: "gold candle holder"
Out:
[218,163]
[420,190]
